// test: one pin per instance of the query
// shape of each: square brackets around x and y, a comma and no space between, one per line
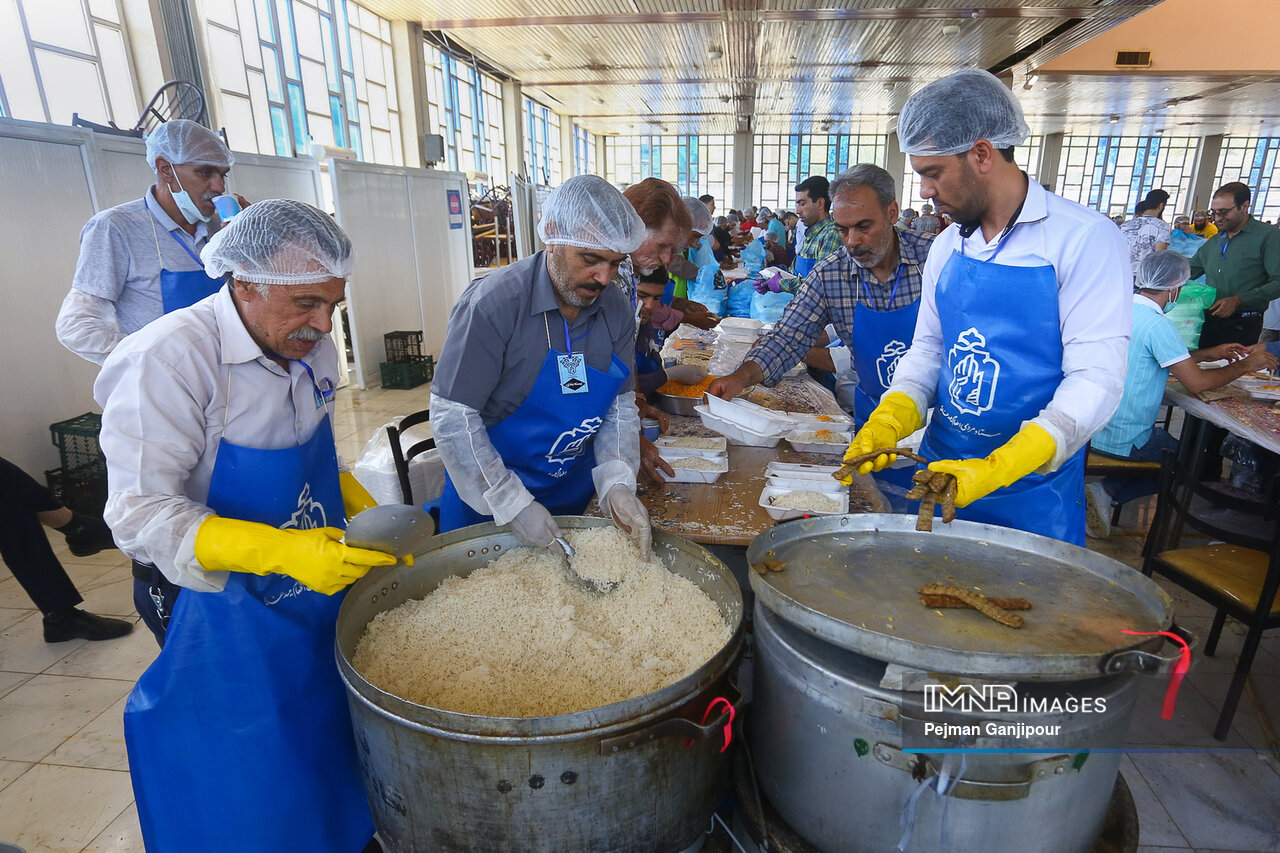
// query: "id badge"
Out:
[573,373]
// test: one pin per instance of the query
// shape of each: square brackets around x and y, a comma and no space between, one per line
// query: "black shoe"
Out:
[77,624]
[87,535]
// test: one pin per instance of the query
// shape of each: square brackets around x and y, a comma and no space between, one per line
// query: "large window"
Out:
[781,162]
[287,73]
[584,151]
[1252,161]
[466,109]
[59,57]
[696,165]
[1111,174]
[542,143]
[1026,155]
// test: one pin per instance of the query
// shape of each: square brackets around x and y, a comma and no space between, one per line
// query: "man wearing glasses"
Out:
[1242,261]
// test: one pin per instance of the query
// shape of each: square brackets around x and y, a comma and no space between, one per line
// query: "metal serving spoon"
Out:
[396,529]
[589,584]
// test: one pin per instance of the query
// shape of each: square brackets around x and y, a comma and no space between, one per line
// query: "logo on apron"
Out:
[974,373]
[887,363]
[571,443]
[309,515]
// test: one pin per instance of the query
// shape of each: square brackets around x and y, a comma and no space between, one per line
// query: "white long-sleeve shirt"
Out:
[169,393]
[1095,312]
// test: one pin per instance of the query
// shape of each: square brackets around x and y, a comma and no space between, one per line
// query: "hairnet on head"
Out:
[699,214]
[949,115]
[909,213]
[280,241]
[721,222]
[1163,270]
[588,212]
[764,212]
[181,141]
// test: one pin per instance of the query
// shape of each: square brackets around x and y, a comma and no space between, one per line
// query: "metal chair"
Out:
[175,99]
[402,456]
[1239,576]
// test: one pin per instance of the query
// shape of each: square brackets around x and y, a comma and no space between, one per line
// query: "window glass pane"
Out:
[21,89]
[115,67]
[220,12]
[237,117]
[266,31]
[280,130]
[298,114]
[71,86]
[307,24]
[261,113]
[314,84]
[246,23]
[105,9]
[226,58]
[272,70]
[331,68]
[288,46]
[321,127]
[60,23]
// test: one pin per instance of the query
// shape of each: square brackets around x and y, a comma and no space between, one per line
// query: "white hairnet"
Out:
[181,141]
[588,212]
[1164,270]
[699,214]
[280,241]
[949,115]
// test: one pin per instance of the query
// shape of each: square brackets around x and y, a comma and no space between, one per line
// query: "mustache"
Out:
[306,333]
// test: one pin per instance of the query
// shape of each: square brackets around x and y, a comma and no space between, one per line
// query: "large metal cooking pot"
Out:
[623,777]
[832,724]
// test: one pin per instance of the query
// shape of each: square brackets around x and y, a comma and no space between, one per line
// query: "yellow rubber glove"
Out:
[355,497]
[896,417]
[315,558]
[1030,448]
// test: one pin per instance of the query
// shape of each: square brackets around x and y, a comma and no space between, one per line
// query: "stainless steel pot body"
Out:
[641,775]
[827,743]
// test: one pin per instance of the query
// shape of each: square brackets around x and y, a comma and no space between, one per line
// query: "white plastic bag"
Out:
[376,468]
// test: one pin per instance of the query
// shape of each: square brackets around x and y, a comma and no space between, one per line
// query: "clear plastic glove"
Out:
[1029,449]
[355,497]
[629,514]
[686,374]
[895,418]
[315,558]
[534,526]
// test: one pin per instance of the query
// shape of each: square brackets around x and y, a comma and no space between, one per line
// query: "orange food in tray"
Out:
[673,388]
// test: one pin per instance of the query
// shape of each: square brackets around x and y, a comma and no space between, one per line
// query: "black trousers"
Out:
[153,598]
[1241,328]
[24,547]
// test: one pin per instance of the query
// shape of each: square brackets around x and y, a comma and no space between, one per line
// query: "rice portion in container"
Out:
[806,499]
[518,639]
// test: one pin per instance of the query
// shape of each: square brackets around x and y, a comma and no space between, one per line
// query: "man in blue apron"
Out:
[868,290]
[533,404]
[813,204]
[141,259]
[224,474]
[1024,320]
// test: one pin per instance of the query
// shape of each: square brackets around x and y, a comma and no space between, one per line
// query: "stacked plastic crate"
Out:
[406,366]
[81,481]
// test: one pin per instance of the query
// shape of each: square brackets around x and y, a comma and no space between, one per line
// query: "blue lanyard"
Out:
[896,281]
[1224,240]
[187,249]
[325,393]
[568,342]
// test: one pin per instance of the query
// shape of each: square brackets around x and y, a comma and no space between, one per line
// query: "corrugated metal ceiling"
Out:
[779,66]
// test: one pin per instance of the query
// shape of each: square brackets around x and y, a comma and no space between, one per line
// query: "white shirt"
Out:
[168,393]
[1095,312]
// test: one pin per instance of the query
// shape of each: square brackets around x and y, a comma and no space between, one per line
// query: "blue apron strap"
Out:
[186,249]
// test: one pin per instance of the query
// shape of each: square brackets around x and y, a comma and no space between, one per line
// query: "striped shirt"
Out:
[1153,348]
[830,294]
[819,241]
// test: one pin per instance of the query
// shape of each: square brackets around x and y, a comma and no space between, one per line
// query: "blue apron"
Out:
[239,734]
[880,338]
[546,442]
[181,288]
[1002,363]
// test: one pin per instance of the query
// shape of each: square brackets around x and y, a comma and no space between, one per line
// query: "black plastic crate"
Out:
[409,374]
[77,442]
[83,489]
[403,347]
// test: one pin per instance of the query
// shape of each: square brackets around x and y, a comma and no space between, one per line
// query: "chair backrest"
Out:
[1185,502]
[402,455]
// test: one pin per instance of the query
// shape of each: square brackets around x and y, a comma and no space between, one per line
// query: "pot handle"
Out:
[1149,663]
[710,729]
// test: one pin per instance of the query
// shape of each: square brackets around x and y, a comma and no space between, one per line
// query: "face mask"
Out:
[1172,303]
[186,206]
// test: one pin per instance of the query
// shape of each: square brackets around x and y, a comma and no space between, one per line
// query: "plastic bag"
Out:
[1245,470]
[728,356]
[710,289]
[739,301]
[1188,314]
[754,256]
[768,306]
[376,468]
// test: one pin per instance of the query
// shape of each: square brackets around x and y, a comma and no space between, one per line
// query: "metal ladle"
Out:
[396,529]
[589,584]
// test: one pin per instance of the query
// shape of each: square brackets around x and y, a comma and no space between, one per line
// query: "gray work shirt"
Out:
[123,249]
[498,333]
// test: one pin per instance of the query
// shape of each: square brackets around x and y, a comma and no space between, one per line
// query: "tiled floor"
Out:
[64,781]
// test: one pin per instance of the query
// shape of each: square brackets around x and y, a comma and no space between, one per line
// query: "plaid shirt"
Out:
[830,294]
[819,241]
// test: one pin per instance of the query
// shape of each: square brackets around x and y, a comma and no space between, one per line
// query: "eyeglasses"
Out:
[1222,212]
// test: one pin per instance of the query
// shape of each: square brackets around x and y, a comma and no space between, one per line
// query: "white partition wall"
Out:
[411,265]
[52,180]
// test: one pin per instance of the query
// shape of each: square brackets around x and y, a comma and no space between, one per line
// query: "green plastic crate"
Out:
[409,374]
[82,489]
[77,442]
